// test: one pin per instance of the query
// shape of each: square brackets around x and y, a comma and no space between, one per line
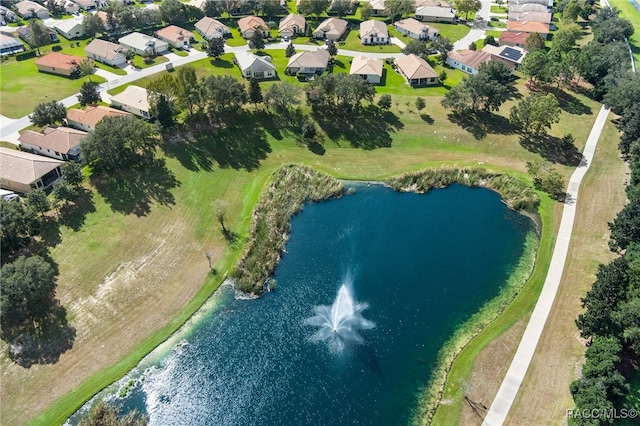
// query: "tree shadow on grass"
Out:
[370,128]
[426,118]
[73,215]
[221,63]
[41,341]
[481,123]
[188,150]
[553,149]
[571,104]
[135,190]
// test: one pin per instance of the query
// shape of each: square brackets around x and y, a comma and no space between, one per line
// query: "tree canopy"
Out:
[18,225]
[48,113]
[535,113]
[89,94]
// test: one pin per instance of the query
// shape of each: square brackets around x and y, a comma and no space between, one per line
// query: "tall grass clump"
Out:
[291,186]
[518,194]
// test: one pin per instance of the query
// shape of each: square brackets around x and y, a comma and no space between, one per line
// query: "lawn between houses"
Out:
[119,268]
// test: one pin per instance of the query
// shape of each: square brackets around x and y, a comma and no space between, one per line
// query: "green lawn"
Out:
[352,42]
[72,48]
[453,32]
[139,62]
[22,87]
[235,39]
[498,9]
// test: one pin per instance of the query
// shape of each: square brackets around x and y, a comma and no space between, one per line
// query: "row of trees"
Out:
[611,320]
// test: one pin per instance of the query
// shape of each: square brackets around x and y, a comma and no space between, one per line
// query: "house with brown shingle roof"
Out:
[374,32]
[106,52]
[30,9]
[86,119]
[468,61]
[292,25]
[369,69]
[529,27]
[416,70]
[331,29]
[62,143]
[22,171]
[210,28]
[308,62]
[250,24]
[59,63]
[415,29]
[513,38]
[175,36]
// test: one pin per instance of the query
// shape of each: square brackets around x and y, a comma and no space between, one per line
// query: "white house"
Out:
[416,29]
[22,171]
[62,143]
[292,25]
[369,69]
[210,28]
[416,70]
[30,9]
[133,100]
[69,28]
[254,66]
[435,14]
[106,52]
[468,61]
[143,44]
[374,32]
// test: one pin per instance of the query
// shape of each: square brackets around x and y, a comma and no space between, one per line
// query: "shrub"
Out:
[26,55]
[56,48]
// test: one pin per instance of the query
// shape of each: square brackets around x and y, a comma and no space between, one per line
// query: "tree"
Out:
[87,67]
[420,104]
[215,47]
[398,8]
[443,46]
[255,92]
[497,71]
[490,40]
[105,414]
[313,7]
[467,6]
[163,112]
[63,192]
[38,201]
[341,7]
[290,50]
[256,41]
[37,35]
[485,90]
[119,142]
[385,102]
[92,25]
[617,29]
[89,94]
[173,11]
[72,174]
[146,17]
[28,286]
[332,48]
[308,130]
[565,38]
[48,113]
[625,228]
[18,225]
[535,113]
[224,95]
[212,8]
[535,65]
[366,11]
[534,41]
[282,96]
[416,47]
[570,12]
[547,178]
[473,46]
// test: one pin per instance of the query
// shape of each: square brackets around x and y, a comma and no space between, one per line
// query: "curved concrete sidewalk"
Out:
[515,375]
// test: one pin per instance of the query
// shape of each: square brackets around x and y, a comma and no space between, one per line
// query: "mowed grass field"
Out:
[135,253]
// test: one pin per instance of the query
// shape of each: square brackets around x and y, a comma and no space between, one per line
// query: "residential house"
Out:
[7,14]
[106,52]
[62,143]
[292,25]
[210,28]
[374,32]
[143,44]
[9,44]
[331,29]
[69,28]
[529,27]
[86,119]
[254,66]
[432,3]
[435,14]
[513,38]
[416,29]
[68,6]
[250,24]
[105,20]
[59,63]
[133,100]
[308,62]
[86,4]
[25,34]
[369,69]
[30,9]
[512,56]
[468,61]
[544,17]
[175,36]
[527,7]
[416,70]
[22,171]
[378,8]
[547,3]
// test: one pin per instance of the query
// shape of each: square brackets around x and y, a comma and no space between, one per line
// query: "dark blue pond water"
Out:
[423,264]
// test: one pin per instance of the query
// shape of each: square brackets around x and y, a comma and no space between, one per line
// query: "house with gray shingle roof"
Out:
[22,171]
[254,66]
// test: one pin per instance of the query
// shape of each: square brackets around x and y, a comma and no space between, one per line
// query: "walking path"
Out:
[515,375]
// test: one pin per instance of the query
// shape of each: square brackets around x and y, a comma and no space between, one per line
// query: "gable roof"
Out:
[528,7]
[435,11]
[415,67]
[333,26]
[140,41]
[8,41]
[85,3]
[91,115]
[544,17]
[25,7]
[58,139]
[104,49]
[413,25]
[174,33]
[378,5]
[515,37]
[251,22]
[66,25]
[318,58]
[24,167]
[434,3]
[362,65]
[528,27]
[59,60]
[470,58]
[291,21]
[133,96]
[249,60]
[508,53]
[209,27]
[373,28]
